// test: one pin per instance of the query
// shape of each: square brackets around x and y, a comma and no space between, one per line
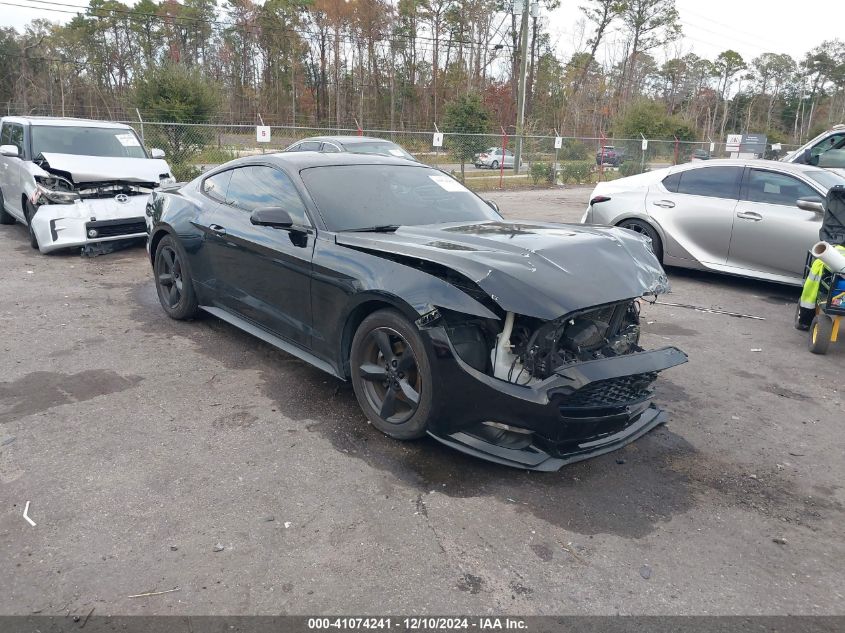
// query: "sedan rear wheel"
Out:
[391,375]
[173,280]
[645,229]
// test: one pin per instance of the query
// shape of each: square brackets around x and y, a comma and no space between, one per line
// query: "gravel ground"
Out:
[157,454]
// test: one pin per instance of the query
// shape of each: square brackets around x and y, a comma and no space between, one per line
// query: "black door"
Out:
[263,274]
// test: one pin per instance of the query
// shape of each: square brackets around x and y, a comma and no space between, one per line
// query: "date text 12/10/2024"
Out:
[417,624]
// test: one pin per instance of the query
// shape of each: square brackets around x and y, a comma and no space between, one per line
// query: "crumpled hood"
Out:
[98,168]
[536,269]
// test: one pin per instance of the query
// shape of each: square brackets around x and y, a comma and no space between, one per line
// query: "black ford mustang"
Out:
[516,342]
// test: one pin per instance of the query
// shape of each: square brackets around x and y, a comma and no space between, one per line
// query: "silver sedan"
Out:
[739,217]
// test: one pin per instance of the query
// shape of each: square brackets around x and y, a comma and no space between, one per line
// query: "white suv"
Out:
[826,150]
[75,182]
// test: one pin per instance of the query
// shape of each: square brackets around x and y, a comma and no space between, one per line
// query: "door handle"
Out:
[749,215]
[665,204]
[217,229]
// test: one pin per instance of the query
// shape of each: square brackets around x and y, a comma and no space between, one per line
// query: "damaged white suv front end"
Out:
[93,200]
[76,183]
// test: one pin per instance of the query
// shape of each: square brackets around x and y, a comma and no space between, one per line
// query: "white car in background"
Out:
[76,182]
[492,158]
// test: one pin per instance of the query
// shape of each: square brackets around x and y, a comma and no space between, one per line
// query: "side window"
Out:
[260,186]
[13,135]
[834,141]
[773,188]
[309,146]
[713,182]
[330,148]
[215,186]
[5,134]
[671,182]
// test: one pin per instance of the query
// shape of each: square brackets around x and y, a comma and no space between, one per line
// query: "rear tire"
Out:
[5,216]
[821,329]
[391,375]
[644,228]
[29,213]
[174,284]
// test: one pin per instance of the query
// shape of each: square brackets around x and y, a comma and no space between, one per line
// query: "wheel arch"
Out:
[647,219]
[365,305]
[158,234]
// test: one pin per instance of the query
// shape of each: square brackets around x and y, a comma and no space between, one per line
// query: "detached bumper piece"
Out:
[584,410]
[523,452]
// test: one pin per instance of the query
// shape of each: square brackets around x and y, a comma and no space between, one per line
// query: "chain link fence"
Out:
[482,161]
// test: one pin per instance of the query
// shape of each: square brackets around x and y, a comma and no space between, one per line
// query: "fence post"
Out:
[436,149]
[502,164]
[677,142]
[602,140]
[644,146]
[142,126]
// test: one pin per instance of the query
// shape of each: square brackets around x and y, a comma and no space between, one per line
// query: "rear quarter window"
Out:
[671,182]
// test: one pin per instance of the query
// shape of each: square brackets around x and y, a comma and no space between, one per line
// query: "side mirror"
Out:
[810,203]
[9,150]
[155,152]
[274,217]
[493,206]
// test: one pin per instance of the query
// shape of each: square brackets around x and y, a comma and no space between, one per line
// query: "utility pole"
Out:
[520,101]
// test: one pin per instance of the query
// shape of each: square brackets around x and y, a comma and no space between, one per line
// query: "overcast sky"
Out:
[750,27]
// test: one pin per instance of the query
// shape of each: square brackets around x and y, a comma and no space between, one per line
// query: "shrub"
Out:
[541,172]
[574,150]
[631,168]
[575,172]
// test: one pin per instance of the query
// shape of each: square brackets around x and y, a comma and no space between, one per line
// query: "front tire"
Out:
[494,165]
[173,280]
[29,213]
[391,375]
[5,216]
[644,228]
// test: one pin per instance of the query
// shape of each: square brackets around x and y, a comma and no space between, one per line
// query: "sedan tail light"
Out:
[598,199]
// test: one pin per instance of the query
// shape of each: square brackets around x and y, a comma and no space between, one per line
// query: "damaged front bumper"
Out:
[89,221]
[583,410]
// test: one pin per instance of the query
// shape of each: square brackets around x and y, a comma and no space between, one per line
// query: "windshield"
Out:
[362,196]
[86,141]
[382,148]
[826,179]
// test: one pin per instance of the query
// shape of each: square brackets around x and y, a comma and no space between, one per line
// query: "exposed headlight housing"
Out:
[167,180]
[55,190]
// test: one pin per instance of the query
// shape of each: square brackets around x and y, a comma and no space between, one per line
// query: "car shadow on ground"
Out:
[767,290]
[629,492]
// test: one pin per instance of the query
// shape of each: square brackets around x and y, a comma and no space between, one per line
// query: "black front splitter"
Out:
[532,457]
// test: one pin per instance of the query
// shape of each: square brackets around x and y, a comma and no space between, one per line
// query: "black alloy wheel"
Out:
[391,375]
[173,281]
